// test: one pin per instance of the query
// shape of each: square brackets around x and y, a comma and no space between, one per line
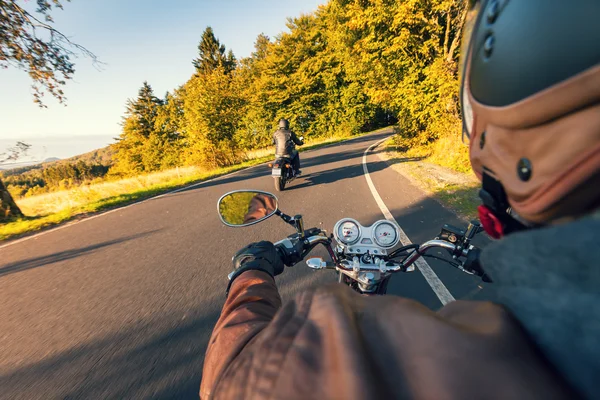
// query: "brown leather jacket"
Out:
[331,343]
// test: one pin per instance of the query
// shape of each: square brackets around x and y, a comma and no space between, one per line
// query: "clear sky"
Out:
[153,40]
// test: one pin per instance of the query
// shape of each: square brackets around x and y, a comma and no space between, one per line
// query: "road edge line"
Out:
[438,287]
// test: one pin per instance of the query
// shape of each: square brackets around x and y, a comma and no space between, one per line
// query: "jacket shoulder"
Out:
[338,337]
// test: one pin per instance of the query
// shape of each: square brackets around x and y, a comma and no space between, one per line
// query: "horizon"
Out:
[158,46]
[61,147]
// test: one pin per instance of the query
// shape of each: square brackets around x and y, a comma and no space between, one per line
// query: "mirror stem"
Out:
[299,225]
[295,221]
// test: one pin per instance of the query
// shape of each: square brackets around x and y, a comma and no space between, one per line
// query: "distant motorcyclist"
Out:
[530,96]
[285,144]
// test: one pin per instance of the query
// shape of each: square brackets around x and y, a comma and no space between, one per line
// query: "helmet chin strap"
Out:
[496,214]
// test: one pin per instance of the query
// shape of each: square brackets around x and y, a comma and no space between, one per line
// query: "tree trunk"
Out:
[8,207]
[457,37]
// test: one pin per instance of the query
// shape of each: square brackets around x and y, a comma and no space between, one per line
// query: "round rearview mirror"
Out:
[246,207]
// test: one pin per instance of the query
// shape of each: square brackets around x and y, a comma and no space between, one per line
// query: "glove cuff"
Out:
[250,266]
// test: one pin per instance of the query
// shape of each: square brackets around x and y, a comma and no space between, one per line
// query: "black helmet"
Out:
[284,124]
[530,95]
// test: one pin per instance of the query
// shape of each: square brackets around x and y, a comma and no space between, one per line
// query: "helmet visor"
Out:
[474,8]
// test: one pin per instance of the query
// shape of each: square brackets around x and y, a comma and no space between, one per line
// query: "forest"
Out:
[349,67]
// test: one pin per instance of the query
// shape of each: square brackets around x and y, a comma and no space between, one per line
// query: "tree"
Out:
[213,109]
[8,207]
[34,45]
[211,54]
[133,155]
[169,128]
[31,43]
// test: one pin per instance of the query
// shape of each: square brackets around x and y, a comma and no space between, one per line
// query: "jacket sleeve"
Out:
[252,303]
[297,140]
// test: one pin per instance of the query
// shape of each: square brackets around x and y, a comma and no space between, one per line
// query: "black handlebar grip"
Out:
[281,251]
[473,265]
[291,255]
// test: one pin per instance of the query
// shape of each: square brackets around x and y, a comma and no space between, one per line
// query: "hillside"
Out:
[101,156]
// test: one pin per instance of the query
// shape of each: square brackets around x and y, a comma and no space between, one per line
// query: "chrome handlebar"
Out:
[381,265]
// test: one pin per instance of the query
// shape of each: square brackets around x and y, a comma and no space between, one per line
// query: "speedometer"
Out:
[385,234]
[348,232]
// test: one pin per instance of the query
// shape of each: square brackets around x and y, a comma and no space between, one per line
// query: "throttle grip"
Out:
[473,265]
[290,250]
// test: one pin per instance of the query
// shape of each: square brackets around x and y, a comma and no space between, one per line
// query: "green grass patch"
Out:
[25,225]
[463,200]
[445,181]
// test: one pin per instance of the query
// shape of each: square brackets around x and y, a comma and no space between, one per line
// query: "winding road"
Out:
[122,305]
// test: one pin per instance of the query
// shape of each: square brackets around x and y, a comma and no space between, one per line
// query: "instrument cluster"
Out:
[382,234]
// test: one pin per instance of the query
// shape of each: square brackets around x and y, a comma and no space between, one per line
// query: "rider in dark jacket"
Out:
[285,144]
[533,119]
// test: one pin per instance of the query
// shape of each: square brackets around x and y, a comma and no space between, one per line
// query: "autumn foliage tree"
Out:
[348,67]
[142,146]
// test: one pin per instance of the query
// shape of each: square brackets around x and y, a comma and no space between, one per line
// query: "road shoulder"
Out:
[455,191]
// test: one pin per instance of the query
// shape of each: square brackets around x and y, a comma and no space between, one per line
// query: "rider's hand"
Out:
[261,256]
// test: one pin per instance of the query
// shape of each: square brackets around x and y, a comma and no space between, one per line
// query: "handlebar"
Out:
[470,266]
[294,248]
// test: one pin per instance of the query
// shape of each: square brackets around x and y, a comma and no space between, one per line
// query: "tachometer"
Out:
[385,234]
[348,232]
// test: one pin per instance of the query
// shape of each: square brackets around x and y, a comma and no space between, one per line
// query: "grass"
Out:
[456,190]
[54,208]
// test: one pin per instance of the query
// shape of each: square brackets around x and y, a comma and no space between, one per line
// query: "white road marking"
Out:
[432,279]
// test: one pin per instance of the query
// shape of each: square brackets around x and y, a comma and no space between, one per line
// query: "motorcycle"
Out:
[363,256]
[282,171]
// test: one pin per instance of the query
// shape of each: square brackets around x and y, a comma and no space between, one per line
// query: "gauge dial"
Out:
[348,232]
[385,234]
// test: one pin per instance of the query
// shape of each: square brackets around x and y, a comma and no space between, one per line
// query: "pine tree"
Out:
[138,127]
[144,109]
[211,54]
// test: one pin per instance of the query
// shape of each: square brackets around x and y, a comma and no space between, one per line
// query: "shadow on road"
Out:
[158,359]
[307,161]
[64,255]
[335,175]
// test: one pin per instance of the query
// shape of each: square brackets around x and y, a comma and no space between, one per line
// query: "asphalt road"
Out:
[122,305]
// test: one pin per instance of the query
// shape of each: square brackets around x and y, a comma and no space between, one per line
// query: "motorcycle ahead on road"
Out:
[282,171]
[361,255]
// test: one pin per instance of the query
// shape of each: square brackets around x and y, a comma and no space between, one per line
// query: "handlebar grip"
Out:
[290,251]
[281,251]
[472,264]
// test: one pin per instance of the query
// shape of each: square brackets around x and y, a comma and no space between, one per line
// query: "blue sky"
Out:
[153,40]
